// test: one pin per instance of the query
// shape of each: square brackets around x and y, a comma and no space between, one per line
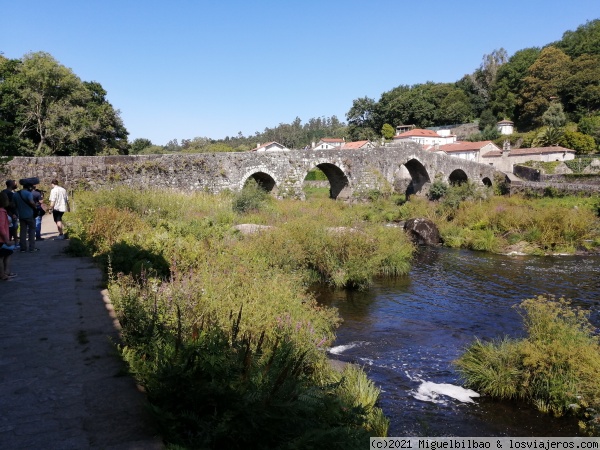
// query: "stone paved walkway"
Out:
[61,382]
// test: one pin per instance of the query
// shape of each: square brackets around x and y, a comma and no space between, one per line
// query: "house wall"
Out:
[468,156]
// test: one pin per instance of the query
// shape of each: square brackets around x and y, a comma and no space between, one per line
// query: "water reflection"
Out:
[407,331]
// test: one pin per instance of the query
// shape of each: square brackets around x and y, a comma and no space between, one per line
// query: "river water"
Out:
[406,333]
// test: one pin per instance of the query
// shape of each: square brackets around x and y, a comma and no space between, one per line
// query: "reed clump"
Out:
[554,368]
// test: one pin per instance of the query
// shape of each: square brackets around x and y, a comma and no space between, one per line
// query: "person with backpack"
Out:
[27,211]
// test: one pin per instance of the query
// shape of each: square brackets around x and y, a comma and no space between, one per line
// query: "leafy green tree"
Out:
[509,83]
[585,40]
[590,126]
[9,100]
[361,119]
[139,144]
[173,146]
[581,90]
[487,119]
[477,103]
[544,82]
[554,116]
[52,112]
[581,143]
[388,131]
[106,132]
[490,133]
[455,107]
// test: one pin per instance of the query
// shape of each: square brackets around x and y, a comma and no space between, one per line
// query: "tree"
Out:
[487,119]
[581,143]
[548,136]
[590,126]
[388,131]
[455,107]
[581,91]
[584,40]
[361,119]
[554,116]
[484,78]
[509,83]
[52,112]
[544,82]
[140,144]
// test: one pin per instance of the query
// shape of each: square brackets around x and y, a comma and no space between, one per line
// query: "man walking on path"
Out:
[59,204]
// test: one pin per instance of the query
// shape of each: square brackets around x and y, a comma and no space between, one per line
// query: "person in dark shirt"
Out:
[38,199]
[11,209]
[26,207]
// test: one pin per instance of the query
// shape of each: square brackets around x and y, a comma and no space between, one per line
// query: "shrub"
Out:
[250,198]
[437,190]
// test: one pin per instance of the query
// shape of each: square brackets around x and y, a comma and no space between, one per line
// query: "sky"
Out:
[180,69]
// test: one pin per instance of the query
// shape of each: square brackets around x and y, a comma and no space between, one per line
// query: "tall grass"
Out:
[554,368]
[220,328]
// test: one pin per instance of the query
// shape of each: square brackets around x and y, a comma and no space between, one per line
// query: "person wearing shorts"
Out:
[59,204]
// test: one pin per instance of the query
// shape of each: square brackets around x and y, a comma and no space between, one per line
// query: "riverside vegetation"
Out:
[221,328]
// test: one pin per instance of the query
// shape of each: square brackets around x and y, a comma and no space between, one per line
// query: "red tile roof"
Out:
[356,144]
[461,146]
[417,132]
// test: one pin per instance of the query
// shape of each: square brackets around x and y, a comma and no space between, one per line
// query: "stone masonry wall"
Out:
[350,172]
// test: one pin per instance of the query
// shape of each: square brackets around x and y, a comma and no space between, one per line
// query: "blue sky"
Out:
[179,69]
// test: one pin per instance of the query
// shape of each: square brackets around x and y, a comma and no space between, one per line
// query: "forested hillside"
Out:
[552,94]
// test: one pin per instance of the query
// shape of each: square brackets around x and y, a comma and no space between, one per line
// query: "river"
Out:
[406,333]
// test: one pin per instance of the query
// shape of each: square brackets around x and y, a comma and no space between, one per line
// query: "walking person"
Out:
[26,208]
[59,204]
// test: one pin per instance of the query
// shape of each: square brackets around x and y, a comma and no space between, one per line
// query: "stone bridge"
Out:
[402,167]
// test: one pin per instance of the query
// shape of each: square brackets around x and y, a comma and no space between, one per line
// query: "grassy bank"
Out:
[478,220]
[219,327]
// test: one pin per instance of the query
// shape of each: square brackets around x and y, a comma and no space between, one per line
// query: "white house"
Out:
[270,147]
[471,151]
[329,144]
[426,137]
[505,159]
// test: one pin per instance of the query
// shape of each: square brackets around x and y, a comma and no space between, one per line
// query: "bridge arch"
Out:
[419,177]
[458,176]
[265,180]
[487,182]
[339,185]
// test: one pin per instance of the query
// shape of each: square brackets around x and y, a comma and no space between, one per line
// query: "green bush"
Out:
[250,198]
[554,368]
[437,190]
